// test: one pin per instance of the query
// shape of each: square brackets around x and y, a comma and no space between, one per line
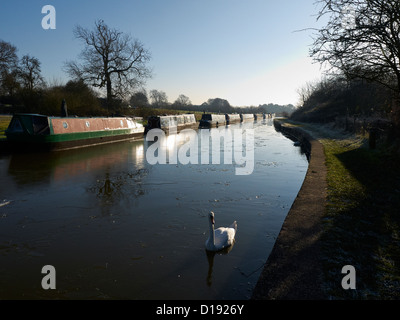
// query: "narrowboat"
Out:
[259,116]
[232,118]
[38,132]
[212,120]
[171,122]
[246,117]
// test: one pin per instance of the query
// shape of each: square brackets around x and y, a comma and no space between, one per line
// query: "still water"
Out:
[116,227]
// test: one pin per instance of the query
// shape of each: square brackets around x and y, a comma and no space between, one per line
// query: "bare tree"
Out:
[9,83]
[182,101]
[361,39]
[220,105]
[110,60]
[8,56]
[8,64]
[158,98]
[30,72]
[305,92]
[139,99]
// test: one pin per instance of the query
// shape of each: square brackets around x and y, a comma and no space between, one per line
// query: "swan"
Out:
[220,238]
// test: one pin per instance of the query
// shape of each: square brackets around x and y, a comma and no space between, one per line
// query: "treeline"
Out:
[159,100]
[338,96]
[81,100]
[23,88]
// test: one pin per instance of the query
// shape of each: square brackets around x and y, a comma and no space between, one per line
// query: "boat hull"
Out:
[37,132]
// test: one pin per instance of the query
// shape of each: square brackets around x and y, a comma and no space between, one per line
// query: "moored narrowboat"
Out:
[41,132]
[232,118]
[246,117]
[171,123]
[259,116]
[212,120]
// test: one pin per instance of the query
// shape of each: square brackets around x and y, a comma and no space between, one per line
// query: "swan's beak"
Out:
[212,217]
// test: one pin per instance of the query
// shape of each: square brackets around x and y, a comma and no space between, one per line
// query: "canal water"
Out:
[116,227]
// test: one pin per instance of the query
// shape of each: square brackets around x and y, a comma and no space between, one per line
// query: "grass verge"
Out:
[4,122]
[362,218]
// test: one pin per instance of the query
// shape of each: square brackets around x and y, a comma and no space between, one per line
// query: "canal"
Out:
[115,226]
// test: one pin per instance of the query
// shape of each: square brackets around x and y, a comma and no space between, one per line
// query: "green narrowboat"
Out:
[37,132]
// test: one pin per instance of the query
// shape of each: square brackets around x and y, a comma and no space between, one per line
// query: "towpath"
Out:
[293,270]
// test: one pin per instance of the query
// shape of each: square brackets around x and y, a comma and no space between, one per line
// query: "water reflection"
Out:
[112,188]
[210,258]
[138,155]
[34,168]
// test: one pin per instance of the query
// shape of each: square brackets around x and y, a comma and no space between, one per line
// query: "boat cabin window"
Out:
[180,119]
[40,125]
[165,122]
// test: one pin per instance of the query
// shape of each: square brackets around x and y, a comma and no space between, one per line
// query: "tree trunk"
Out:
[109,93]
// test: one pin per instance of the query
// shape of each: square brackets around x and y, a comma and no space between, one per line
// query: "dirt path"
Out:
[294,270]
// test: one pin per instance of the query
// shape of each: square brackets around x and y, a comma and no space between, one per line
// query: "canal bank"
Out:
[293,270]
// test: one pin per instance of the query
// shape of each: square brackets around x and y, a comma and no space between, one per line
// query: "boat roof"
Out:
[29,114]
[58,117]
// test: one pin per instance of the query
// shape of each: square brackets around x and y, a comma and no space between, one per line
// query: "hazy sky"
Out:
[247,52]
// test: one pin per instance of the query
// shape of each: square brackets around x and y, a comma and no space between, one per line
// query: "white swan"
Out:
[222,237]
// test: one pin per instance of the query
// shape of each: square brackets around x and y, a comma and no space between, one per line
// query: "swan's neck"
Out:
[212,233]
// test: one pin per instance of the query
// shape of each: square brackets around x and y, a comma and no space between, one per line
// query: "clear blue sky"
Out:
[244,51]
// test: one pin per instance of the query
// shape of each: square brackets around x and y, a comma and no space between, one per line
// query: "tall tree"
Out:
[182,101]
[8,66]
[30,72]
[110,60]
[139,99]
[8,56]
[219,105]
[158,98]
[9,84]
[362,39]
